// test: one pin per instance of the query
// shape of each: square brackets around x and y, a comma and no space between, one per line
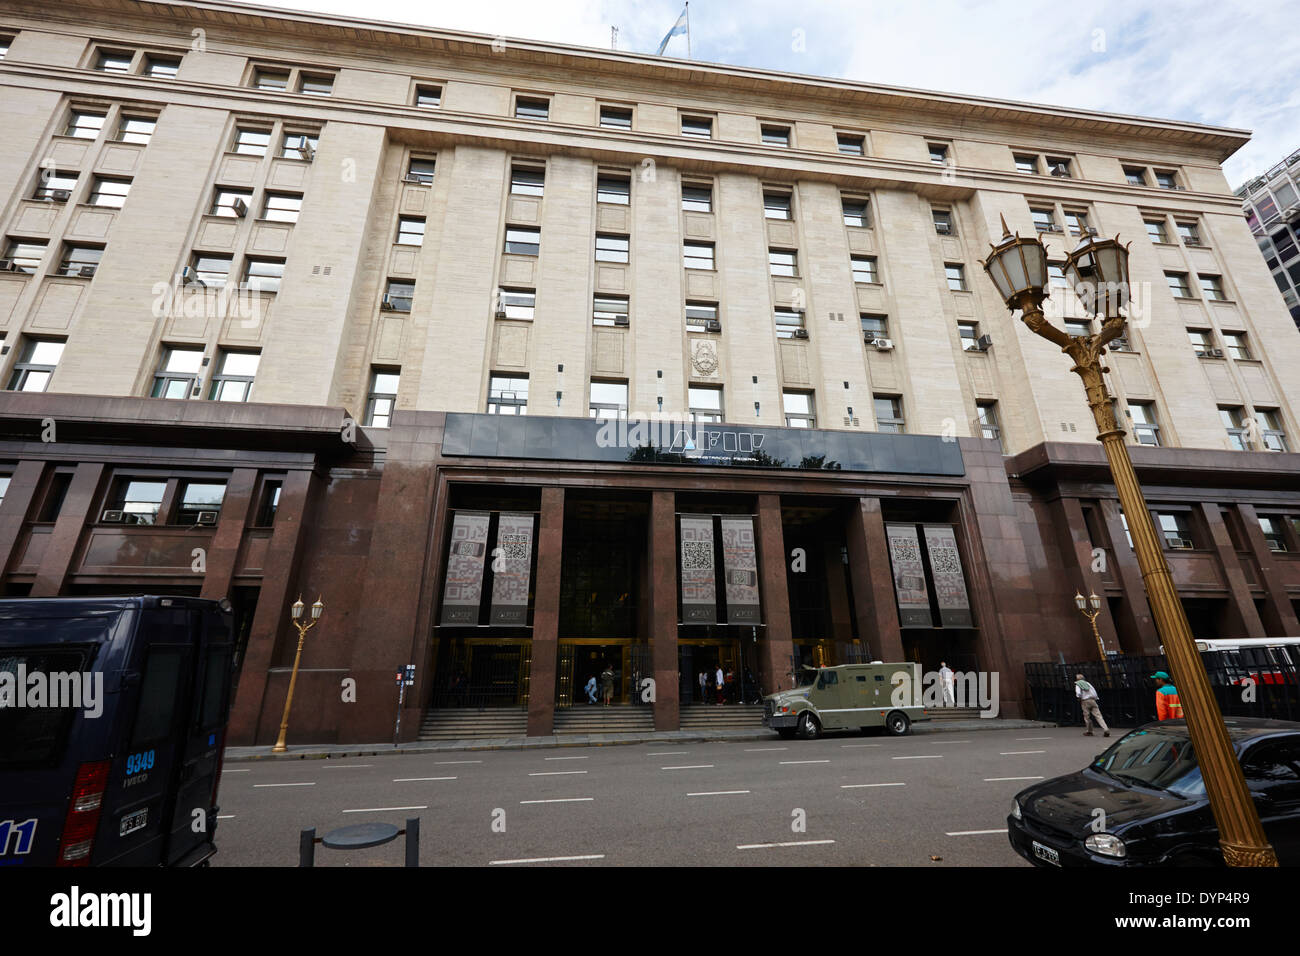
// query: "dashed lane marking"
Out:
[562,800]
[385,809]
[548,859]
[419,779]
[1000,779]
[858,786]
[973,832]
[766,846]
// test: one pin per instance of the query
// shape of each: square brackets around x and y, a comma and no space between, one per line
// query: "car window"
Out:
[158,693]
[216,678]
[1273,761]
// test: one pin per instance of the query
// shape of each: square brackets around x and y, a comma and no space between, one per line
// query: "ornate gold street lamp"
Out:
[1082,603]
[296,613]
[1097,269]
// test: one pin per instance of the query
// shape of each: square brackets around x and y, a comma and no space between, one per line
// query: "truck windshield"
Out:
[806,679]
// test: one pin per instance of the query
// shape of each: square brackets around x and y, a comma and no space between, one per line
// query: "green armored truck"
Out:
[847,696]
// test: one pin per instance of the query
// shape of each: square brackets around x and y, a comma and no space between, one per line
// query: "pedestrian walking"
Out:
[607,683]
[591,689]
[1168,706]
[1087,695]
[720,680]
[704,687]
[946,681]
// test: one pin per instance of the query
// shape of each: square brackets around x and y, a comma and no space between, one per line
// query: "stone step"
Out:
[457,723]
[952,713]
[596,719]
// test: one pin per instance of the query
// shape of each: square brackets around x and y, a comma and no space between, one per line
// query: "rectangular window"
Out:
[889,413]
[382,397]
[233,381]
[410,231]
[616,190]
[1235,343]
[138,499]
[531,107]
[298,145]
[80,260]
[609,310]
[1135,175]
[1202,340]
[787,322]
[697,255]
[608,400]
[398,295]
[1178,284]
[776,205]
[517,304]
[697,198]
[109,192]
[850,145]
[1044,220]
[523,240]
[55,186]
[136,129]
[5,42]
[988,420]
[264,79]
[508,395]
[700,314]
[1076,222]
[783,262]
[1145,429]
[1156,230]
[282,207]
[1078,327]
[1271,525]
[701,127]
[200,502]
[264,275]
[84,125]
[178,372]
[611,248]
[705,403]
[968,333]
[775,135]
[25,256]
[1189,232]
[938,153]
[230,202]
[799,409]
[252,142]
[526,180]
[864,269]
[1056,274]
[1026,163]
[269,504]
[1270,425]
[114,61]
[1059,166]
[162,67]
[420,171]
[956,276]
[616,117]
[428,96]
[855,213]
[942,221]
[36,363]
[875,326]
[1166,179]
[1175,530]
[1233,424]
[211,271]
[1212,288]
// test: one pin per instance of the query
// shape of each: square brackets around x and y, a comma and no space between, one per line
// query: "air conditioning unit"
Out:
[387,305]
[1060,169]
[1181,189]
[712,325]
[622,321]
[983,342]
[8,265]
[1214,353]
[1181,544]
[60,195]
[883,345]
[943,228]
[190,277]
[1191,241]
[208,517]
[87,272]
[240,208]
[501,313]
[112,517]
[1054,227]
[308,153]
[801,333]
[411,178]
[1277,547]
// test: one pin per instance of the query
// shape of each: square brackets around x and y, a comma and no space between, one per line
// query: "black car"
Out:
[1142,802]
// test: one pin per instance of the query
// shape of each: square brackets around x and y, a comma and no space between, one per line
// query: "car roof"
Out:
[28,608]
[1240,729]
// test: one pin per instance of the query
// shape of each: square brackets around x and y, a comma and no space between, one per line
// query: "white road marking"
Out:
[951,741]
[765,846]
[1013,753]
[999,779]
[973,832]
[716,793]
[562,800]
[763,750]
[418,779]
[666,753]
[347,766]
[784,762]
[549,859]
[312,784]
[859,745]
[225,816]
[448,763]
[568,758]
[555,773]
[919,757]
[385,809]
[856,786]
[694,766]
[1033,738]
[241,770]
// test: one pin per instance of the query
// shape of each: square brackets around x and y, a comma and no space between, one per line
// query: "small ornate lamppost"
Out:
[1097,269]
[1082,603]
[295,613]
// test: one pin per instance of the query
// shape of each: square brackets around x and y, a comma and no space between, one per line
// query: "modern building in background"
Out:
[537,362]
[1272,206]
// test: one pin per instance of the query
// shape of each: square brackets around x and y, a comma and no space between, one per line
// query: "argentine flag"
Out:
[678,29]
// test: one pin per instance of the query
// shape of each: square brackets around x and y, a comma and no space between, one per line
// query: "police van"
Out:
[848,696]
[113,717]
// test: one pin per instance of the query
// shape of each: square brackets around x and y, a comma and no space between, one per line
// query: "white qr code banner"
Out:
[512,562]
[699,600]
[463,590]
[909,575]
[741,566]
[946,571]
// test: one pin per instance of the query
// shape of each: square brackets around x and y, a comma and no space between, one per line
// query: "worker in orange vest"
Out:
[1168,707]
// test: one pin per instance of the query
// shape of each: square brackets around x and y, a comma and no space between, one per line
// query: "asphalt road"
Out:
[861,800]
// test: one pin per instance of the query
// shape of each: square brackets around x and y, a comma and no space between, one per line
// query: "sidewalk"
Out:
[331,751]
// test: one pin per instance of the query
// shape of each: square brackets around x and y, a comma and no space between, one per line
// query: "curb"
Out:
[335,751]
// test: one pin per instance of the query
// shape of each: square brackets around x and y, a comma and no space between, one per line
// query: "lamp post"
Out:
[1082,603]
[295,612]
[1097,269]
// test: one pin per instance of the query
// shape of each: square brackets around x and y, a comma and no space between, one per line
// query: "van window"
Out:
[216,678]
[158,692]
[37,736]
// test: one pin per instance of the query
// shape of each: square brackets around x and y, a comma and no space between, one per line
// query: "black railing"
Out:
[1249,682]
[482,677]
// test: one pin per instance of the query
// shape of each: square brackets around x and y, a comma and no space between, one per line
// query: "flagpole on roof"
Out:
[688,31]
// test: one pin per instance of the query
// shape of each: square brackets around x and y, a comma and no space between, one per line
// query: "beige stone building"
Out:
[337,221]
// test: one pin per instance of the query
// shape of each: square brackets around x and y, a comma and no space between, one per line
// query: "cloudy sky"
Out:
[1210,61]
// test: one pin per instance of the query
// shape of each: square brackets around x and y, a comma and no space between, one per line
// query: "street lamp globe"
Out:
[296,610]
[316,609]
[1018,268]
[1097,270]
[1080,601]
[1095,601]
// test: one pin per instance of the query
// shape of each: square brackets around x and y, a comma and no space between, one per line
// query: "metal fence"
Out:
[1250,682]
[482,677]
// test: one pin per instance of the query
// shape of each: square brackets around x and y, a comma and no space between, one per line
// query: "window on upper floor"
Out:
[788,322]
[697,255]
[523,240]
[1202,341]
[1235,345]
[608,399]
[1175,529]
[616,117]
[1274,536]
[611,248]
[1233,418]
[614,189]
[1166,178]
[987,416]
[955,273]
[420,171]
[776,204]
[1146,430]
[697,197]
[1026,162]
[507,394]
[230,202]
[1044,219]
[969,334]
[799,410]
[282,207]
[410,230]
[1156,230]
[200,502]
[55,186]
[163,67]
[252,141]
[857,212]
[428,95]
[1056,274]
[1189,232]
[609,310]
[517,304]
[24,255]
[1078,327]
[299,145]
[84,124]
[80,260]
[889,413]
[705,403]
[36,364]
[850,144]
[700,314]
[269,78]
[874,326]
[399,295]
[700,127]
[783,262]
[532,107]
[382,397]
[1270,429]
[939,153]
[233,379]
[1135,175]
[527,180]
[772,135]
[135,128]
[138,499]
[114,61]
[1212,287]
[178,372]
[1076,222]
[5,42]
[263,275]
[864,269]
[942,220]
[1178,284]
[211,270]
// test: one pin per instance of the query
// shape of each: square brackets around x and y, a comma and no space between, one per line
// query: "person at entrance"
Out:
[590,688]
[1087,695]
[1168,706]
[945,681]
[704,687]
[607,683]
[719,680]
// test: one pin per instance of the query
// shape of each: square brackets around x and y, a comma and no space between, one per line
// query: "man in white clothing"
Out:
[1087,695]
[945,681]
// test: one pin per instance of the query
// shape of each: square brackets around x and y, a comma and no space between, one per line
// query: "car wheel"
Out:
[809,729]
[787,733]
[897,723]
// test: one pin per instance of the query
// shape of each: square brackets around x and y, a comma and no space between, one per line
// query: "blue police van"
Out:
[113,717]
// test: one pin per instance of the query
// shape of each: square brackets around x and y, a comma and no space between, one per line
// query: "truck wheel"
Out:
[897,723]
[787,733]
[809,729]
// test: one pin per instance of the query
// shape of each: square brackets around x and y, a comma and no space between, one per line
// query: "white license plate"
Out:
[1046,853]
[136,821]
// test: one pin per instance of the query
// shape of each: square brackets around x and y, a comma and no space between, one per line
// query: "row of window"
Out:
[1181,531]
